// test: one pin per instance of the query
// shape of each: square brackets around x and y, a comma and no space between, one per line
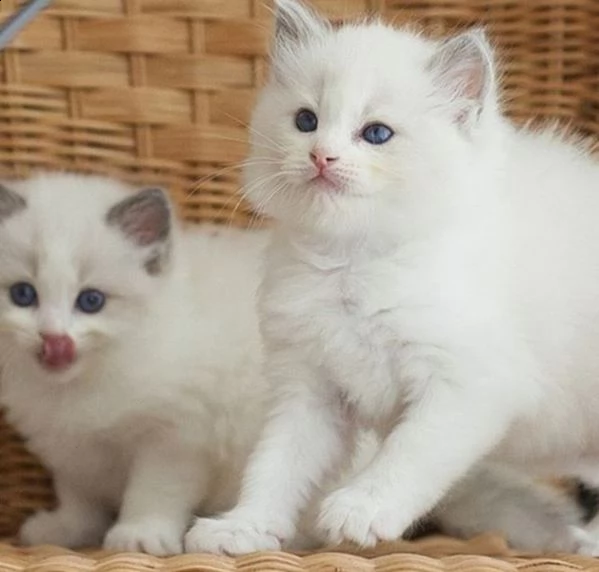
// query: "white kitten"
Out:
[434,276]
[129,364]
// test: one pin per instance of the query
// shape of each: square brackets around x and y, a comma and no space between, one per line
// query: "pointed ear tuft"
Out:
[145,218]
[10,202]
[463,70]
[296,23]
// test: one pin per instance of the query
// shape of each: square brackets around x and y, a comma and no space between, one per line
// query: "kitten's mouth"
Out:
[57,353]
[326,182]
[55,367]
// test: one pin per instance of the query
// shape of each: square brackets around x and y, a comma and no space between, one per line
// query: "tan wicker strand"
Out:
[50,559]
[160,92]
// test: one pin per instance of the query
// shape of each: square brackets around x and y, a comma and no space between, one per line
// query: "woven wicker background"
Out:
[159,91]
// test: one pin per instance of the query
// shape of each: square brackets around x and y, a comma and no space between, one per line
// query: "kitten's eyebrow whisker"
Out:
[255,131]
[297,80]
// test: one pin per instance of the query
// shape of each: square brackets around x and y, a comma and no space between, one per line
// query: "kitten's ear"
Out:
[463,70]
[296,23]
[145,218]
[10,202]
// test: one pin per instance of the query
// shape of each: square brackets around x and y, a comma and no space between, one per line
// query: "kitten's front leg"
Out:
[300,443]
[440,438]
[78,521]
[167,481]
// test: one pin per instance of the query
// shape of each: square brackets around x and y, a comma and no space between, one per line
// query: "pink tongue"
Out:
[57,351]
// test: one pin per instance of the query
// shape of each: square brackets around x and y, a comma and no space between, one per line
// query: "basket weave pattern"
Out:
[160,91]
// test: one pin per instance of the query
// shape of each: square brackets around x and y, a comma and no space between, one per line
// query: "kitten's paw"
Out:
[153,536]
[232,536]
[582,541]
[357,515]
[63,529]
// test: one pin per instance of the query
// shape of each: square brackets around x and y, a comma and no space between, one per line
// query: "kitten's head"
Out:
[363,120]
[80,259]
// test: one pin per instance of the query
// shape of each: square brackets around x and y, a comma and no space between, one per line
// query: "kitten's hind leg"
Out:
[78,521]
[530,515]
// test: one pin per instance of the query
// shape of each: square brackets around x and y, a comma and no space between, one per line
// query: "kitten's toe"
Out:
[62,529]
[152,536]
[232,536]
[356,515]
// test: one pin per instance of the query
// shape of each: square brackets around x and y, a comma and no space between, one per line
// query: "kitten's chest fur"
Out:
[71,433]
[347,324]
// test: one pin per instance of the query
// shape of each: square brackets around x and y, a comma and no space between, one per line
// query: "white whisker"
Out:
[247,189]
[251,129]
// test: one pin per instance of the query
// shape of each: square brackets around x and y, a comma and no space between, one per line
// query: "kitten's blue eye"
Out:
[23,294]
[90,301]
[377,133]
[306,120]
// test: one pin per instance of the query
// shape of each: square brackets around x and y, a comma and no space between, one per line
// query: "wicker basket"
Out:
[159,91]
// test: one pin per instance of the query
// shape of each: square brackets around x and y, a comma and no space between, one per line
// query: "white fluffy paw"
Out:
[585,541]
[356,515]
[153,536]
[62,529]
[232,536]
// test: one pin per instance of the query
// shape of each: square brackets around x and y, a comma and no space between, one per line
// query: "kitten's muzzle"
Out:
[57,352]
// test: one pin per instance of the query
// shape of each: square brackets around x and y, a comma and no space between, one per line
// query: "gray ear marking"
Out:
[296,22]
[10,202]
[463,70]
[145,218]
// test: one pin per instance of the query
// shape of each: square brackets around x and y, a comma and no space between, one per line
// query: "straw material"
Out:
[159,92]
[437,554]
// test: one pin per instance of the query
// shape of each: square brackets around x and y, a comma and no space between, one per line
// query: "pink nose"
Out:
[321,160]
[58,351]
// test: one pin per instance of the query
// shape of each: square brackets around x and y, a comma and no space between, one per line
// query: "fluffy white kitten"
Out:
[434,276]
[128,363]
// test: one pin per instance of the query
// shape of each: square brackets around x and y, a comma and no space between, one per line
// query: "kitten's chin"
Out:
[60,375]
[326,184]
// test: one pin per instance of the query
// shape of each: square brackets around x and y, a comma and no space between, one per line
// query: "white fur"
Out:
[156,417]
[443,291]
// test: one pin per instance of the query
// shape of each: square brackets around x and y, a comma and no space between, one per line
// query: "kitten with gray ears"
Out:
[131,368]
[433,277]
[131,362]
